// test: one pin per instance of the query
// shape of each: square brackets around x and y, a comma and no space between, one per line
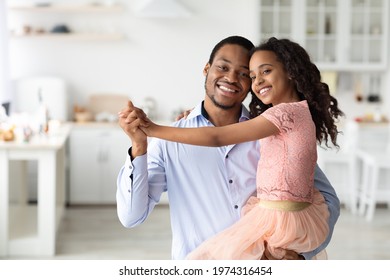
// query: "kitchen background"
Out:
[144,48]
[86,58]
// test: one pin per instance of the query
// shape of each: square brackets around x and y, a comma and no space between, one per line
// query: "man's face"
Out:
[227,78]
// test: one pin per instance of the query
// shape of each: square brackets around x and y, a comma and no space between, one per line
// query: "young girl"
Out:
[292,110]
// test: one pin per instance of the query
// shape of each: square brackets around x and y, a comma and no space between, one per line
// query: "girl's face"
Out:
[270,81]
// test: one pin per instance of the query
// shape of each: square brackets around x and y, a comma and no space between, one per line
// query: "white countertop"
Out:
[111,124]
[54,140]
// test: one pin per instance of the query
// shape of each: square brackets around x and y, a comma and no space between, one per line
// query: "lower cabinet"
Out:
[96,155]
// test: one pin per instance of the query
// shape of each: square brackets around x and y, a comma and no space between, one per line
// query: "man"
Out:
[206,186]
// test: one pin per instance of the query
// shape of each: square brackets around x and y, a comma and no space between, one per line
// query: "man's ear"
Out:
[206,69]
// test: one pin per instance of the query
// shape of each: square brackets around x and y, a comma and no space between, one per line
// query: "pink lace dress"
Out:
[288,212]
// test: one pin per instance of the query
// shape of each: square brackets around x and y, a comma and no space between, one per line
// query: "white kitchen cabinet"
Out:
[97,153]
[348,35]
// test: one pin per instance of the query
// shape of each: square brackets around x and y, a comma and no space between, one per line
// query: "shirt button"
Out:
[226,156]
[230,181]
[235,206]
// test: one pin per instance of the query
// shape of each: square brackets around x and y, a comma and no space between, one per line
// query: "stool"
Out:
[345,156]
[373,189]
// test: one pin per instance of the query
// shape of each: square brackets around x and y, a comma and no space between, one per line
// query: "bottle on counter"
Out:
[43,115]
[328,25]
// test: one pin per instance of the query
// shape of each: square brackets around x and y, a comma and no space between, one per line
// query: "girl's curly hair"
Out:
[307,79]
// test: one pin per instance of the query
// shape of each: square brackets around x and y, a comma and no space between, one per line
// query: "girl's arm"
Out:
[250,130]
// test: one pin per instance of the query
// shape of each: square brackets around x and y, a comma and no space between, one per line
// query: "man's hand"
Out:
[289,255]
[129,119]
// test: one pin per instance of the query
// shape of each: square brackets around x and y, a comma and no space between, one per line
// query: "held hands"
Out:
[131,119]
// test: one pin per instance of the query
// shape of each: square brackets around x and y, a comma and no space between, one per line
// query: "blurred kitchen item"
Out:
[374,92]
[81,114]
[105,107]
[53,94]
[7,134]
[43,4]
[27,29]
[6,106]
[373,98]
[27,133]
[377,115]
[358,90]
[328,25]
[330,78]
[43,117]
[60,28]
[106,117]
[149,106]
[3,114]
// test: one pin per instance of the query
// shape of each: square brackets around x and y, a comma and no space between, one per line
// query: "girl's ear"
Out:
[206,69]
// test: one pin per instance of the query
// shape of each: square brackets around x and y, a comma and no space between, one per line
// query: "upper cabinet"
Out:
[348,35]
[368,32]
[276,19]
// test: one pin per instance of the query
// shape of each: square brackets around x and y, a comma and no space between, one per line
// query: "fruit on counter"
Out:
[7,134]
[370,118]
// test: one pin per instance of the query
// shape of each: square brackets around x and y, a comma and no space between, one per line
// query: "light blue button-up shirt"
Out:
[206,186]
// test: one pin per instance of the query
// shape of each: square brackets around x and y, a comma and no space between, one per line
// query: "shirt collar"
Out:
[199,110]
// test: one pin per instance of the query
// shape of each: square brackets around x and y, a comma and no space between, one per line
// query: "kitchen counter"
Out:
[112,124]
[95,124]
[31,230]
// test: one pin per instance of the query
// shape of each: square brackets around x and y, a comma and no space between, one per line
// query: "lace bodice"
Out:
[286,167]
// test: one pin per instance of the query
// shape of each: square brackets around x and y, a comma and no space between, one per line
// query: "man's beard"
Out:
[216,103]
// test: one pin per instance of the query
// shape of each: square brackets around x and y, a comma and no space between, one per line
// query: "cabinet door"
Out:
[368,31]
[85,157]
[96,154]
[276,19]
[321,31]
[348,35]
[114,151]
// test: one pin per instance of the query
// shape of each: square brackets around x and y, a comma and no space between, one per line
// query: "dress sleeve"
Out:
[282,116]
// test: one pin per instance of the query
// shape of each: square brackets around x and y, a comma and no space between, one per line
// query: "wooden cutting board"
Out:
[108,103]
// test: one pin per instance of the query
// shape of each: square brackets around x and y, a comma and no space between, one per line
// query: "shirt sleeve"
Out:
[135,197]
[326,189]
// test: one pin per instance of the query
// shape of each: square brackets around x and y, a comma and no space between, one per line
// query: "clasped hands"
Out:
[134,121]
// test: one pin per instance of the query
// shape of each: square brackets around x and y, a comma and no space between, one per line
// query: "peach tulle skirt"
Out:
[299,231]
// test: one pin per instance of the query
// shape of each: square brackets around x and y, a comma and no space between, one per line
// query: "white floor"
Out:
[96,233]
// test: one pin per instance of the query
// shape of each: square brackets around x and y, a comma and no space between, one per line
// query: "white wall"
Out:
[4,59]
[161,58]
